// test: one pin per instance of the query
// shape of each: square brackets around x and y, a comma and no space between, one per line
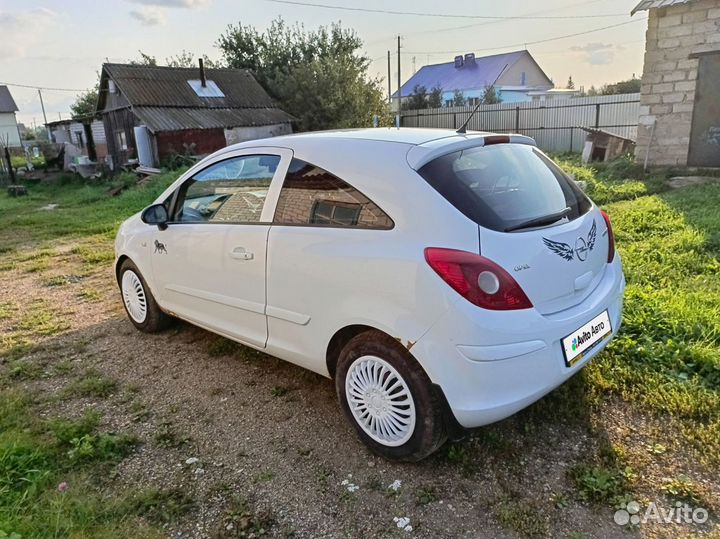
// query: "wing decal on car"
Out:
[559,248]
[582,246]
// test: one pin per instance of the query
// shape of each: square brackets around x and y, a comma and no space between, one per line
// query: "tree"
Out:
[459,99]
[85,103]
[417,100]
[187,59]
[570,83]
[320,77]
[490,96]
[434,98]
[629,86]
[144,60]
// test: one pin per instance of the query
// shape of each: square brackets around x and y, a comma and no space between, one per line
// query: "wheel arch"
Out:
[342,337]
[118,265]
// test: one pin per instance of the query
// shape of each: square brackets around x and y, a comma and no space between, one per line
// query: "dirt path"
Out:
[260,446]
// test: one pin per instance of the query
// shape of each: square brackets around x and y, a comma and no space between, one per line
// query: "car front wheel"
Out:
[388,398]
[140,305]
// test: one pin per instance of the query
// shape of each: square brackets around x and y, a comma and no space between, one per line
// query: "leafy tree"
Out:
[629,86]
[418,99]
[187,59]
[320,77]
[85,103]
[570,83]
[434,98]
[144,60]
[490,96]
[459,99]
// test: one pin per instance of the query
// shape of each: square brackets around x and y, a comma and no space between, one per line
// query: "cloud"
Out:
[21,31]
[597,53]
[148,16]
[187,4]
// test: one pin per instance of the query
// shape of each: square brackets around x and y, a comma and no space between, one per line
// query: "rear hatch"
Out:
[533,219]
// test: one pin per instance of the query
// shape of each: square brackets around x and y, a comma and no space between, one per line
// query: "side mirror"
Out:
[155,215]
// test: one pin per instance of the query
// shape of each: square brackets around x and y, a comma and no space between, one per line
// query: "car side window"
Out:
[231,191]
[313,196]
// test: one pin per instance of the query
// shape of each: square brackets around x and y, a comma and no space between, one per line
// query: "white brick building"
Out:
[680,96]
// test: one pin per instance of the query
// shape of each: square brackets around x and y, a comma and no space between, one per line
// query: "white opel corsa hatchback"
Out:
[441,279]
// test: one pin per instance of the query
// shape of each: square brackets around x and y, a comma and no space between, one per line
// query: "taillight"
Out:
[479,280]
[611,237]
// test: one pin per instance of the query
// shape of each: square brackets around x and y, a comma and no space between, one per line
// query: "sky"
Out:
[62,44]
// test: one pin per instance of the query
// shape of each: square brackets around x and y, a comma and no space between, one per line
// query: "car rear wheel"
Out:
[388,398]
[139,303]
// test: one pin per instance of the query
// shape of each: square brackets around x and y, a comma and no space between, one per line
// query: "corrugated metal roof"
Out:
[157,86]
[160,119]
[7,103]
[652,4]
[483,73]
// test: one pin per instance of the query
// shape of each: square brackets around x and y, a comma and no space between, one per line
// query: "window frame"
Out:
[308,224]
[283,154]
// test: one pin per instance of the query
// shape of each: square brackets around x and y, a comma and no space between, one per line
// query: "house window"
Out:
[330,212]
[311,195]
[448,102]
[472,101]
[522,79]
[121,140]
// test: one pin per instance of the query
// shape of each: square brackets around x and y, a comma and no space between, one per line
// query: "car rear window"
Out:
[503,186]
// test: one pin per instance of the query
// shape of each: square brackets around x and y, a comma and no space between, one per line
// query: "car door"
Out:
[209,263]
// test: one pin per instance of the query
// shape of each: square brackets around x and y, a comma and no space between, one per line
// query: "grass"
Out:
[53,475]
[92,384]
[524,518]
[84,210]
[666,358]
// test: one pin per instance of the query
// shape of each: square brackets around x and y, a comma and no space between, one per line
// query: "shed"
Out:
[679,120]
[601,145]
[153,112]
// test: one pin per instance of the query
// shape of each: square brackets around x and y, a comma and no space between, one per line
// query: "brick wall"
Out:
[669,76]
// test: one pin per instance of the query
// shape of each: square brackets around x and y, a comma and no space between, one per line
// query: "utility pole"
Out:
[42,105]
[399,92]
[389,81]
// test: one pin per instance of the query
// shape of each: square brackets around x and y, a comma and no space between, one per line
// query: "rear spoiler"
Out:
[422,154]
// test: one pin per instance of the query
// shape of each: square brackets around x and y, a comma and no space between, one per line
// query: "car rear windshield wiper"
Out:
[540,221]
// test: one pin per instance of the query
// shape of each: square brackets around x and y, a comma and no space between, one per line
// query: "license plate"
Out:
[581,341]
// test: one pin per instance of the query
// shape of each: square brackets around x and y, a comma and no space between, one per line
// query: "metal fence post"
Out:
[517,119]
[597,115]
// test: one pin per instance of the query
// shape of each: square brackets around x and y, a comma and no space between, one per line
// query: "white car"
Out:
[441,279]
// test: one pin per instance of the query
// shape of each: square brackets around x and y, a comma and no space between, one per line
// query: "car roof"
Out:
[404,135]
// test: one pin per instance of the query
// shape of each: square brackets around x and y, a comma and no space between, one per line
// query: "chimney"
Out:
[458,62]
[203,82]
[470,59]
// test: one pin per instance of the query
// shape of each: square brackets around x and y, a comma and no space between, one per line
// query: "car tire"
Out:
[389,399]
[140,305]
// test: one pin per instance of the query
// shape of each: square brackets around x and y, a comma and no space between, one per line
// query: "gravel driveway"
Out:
[261,447]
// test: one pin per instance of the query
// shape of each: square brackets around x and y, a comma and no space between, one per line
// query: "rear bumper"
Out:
[491,364]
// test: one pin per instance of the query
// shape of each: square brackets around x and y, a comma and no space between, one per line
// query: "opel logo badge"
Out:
[581,249]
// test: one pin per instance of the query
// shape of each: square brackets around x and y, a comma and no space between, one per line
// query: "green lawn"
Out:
[664,364]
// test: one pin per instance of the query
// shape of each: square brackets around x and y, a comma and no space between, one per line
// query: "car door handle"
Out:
[239,253]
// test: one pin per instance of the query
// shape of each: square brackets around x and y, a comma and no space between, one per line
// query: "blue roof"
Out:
[484,73]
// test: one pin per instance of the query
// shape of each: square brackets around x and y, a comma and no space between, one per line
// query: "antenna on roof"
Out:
[463,127]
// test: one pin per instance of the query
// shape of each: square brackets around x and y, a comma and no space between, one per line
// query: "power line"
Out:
[524,44]
[444,15]
[485,23]
[42,87]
